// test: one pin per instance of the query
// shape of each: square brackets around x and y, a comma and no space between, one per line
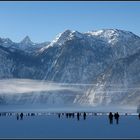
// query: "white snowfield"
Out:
[51,126]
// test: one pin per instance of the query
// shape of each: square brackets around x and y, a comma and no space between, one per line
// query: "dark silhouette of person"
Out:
[32,114]
[70,115]
[139,116]
[17,116]
[21,116]
[66,115]
[78,116]
[110,118]
[95,114]
[116,116]
[84,115]
[58,115]
[4,114]
[73,115]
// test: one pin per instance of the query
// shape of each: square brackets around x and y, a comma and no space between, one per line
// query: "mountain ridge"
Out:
[104,57]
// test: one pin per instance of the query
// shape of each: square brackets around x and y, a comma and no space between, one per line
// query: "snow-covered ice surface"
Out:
[50,126]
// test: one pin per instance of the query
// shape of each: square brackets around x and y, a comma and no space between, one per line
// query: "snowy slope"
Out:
[107,58]
[6,63]
[25,45]
[119,84]
[30,47]
[80,57]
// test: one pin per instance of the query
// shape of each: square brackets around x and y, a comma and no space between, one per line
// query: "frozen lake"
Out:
[51,126]
[28,95]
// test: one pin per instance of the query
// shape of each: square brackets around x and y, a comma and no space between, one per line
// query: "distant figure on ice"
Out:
[139,116]
[17,116]
[58,115]
[66,115]
[78,116]
[32,114]
[21,116]
[84,115]
[72,115]
[110,117]
[116,116]
[95,114]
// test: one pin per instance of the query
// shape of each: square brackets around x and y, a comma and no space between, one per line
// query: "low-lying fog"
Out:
[10,86]
[36,94]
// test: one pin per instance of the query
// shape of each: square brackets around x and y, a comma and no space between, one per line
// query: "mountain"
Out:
[6,42]
[27,41]
[18,60]
[17,64]
[81,57]
[119,84]
[6,63]
[106,59]
[25,45]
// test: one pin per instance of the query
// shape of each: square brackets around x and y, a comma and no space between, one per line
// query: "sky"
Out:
[42,21]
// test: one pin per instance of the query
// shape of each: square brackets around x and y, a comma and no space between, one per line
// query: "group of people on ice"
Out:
[78,114]
[20,116]
[116,116]
[69,115]
[111,115]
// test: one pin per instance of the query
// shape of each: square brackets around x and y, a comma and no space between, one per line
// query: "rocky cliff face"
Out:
[118,85]
[108,59]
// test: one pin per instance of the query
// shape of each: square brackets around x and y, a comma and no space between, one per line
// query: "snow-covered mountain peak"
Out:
[112,35]
[61,37]
[64,36]
[5,40]
[110,32]
[26,40]
[76,34]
